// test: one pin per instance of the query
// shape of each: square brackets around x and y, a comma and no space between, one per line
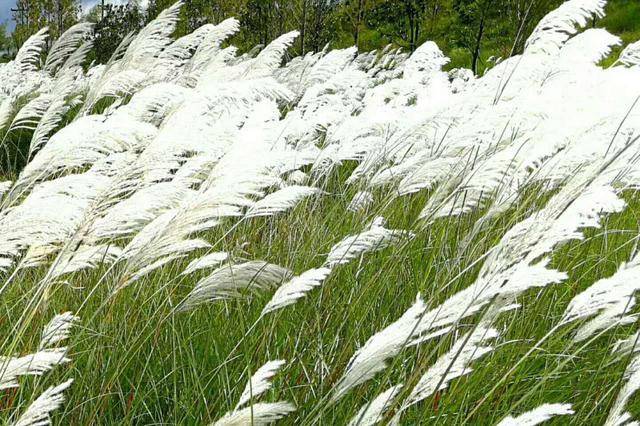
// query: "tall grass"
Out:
[490,204]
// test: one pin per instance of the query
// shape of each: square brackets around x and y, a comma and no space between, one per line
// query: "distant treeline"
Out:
[471,32]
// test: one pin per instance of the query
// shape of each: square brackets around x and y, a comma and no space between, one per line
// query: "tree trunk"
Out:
[414,24]
[358,23]
[60,18]
[303,27]
[476,50]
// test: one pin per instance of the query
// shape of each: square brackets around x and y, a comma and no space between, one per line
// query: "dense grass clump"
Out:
[349,238]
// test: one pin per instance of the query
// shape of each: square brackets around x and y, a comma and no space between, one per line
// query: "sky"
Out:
[6,5]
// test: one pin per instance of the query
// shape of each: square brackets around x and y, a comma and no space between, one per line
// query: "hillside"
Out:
[191,233]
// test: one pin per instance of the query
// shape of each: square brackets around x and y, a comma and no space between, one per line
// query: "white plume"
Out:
[29,55]
[38,413]
[372,357]
[57,329]
[260,382]
[538,415]
[377,237]
[372,412]
[232,281]
[34,364]
[208,261]
[630,56]
[281,200]
[453,364]
[560,24]
[260,414]
[295,289]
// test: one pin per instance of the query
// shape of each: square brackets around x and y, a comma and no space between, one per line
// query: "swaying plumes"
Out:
[259,413]
[588,47]
[171,62]
[263,65]
[85,142]
[232,281]
[372,357]
[208,261]
[28,57]
[579,205]
[127,69]
[556,28]
[295,289]
[455,363]
[233,185]
[630,56]
[260,382]
[519,261]
[372,412]
[208,55]
[325,68]
[34,225]
[281,200]
[360,202]
[57,330]
[46,106]
[77,59]
[270,58]
[427,174]
[38,413]
[538,415]
[617,415]
[49,121]
[29,115]
[153,38]
[154,247]
[153,103]
[122,84]
[427,59]
[34,364]
[83,257]
[66,45]
[475,187]
[377,237]
[130,215]
[37,364]
[611,299]
[196,138]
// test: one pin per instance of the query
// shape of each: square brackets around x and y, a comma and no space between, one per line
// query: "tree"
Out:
[401,21]
[32,15]
[262,21]
[354,13]
[323,23]
[317,22]
[474,17]
[523,16]
[195,13]
[116,22]
[5,43]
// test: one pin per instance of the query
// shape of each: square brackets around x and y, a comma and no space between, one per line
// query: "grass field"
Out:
[133,166]
[136,361]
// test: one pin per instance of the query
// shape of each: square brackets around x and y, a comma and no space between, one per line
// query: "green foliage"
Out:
[141,362]
[32,15]
[622,19]
[5,44]
[114,24]
[469,31]
[401,21]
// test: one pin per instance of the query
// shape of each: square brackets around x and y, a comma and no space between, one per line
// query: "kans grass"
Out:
[189,236]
